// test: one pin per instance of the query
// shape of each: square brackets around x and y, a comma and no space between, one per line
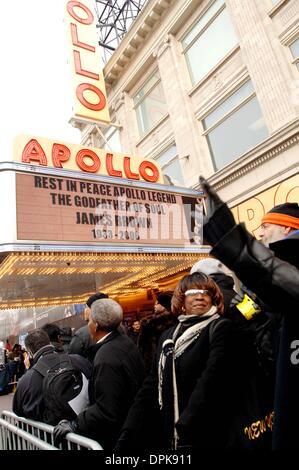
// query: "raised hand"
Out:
[218,219]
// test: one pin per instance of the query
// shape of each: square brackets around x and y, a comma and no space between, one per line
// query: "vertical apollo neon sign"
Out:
[89,92]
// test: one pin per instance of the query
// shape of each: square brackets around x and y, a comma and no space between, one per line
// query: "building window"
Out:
[235,126]
[150,104]
[209,41]
[294,47]
[113,139]
[171,166]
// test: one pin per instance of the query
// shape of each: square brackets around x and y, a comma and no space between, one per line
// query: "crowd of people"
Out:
[210,368]
[15,359]
[12,366]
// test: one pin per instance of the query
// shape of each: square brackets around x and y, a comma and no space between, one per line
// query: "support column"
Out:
[269,76]
[185,127]
[125,116]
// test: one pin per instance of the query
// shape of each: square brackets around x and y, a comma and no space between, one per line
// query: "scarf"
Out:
[185,334]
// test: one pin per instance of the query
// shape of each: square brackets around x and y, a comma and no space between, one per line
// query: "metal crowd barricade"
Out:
[14,438]
[37,434]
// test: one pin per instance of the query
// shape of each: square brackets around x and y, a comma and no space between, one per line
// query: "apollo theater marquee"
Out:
[81,219]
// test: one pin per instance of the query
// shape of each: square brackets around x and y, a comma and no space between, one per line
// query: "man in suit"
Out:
[117,374]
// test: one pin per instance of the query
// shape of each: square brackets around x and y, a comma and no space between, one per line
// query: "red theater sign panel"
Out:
[61,155]
[60,209]
[89,92]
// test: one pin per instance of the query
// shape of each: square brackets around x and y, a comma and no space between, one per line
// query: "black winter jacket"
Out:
[207,395]
[274,277]
[28,397]
[81,342]
[117,374]
[150,332]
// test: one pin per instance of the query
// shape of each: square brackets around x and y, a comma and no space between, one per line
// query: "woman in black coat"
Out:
[187,399]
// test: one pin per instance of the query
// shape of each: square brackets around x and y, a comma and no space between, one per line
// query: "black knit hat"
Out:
[94,297]
[165,300]
[286,214]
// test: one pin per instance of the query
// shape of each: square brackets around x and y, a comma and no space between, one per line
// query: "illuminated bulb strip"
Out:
[149,281]
[168,272]
[64,257]
[143,278]
[7,265]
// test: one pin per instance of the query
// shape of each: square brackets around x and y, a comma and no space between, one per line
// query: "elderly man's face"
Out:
[271,233]
[92,327]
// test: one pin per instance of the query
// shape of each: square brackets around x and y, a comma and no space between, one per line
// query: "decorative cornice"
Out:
[134,38]
[290,34]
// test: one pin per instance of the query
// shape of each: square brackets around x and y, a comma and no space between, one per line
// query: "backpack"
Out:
[65,388]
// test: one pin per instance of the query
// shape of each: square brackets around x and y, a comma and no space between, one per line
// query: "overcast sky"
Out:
[35,76]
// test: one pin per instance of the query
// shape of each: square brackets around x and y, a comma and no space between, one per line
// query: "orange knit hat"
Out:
[284,214]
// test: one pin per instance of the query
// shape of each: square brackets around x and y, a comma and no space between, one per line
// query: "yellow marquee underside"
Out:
[29,279]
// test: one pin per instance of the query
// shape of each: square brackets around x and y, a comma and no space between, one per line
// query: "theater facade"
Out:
[197,87]
[210,87]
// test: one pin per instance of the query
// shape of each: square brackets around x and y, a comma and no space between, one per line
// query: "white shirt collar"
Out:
[104,337]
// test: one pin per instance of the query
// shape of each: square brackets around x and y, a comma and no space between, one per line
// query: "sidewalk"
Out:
[6,402]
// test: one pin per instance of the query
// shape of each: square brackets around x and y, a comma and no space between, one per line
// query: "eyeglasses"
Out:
[196,291]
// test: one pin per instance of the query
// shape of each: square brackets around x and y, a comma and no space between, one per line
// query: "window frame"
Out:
[229,113]
[295,60]
[275,8]
[205,132]
[164,170]
[170,160]
[148,91]
[143,98]
[185,49]
[200,33]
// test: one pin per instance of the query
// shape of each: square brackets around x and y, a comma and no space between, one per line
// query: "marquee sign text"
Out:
[59,209]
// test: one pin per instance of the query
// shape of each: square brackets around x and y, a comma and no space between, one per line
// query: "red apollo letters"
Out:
[89,161]
[82,15]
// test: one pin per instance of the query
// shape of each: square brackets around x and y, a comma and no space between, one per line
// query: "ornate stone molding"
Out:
[118,101]
[277,8]
[290,12]
[162,46]
[217,80]
[135,37]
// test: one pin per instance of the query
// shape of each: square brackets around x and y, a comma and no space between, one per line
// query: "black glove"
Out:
[246,303]
[218,219]
[236,299]
[62,429]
